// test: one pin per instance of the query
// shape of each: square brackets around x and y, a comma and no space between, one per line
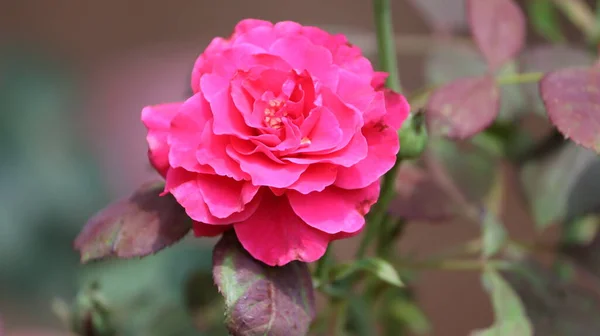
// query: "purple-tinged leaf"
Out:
[137,226]
[546,58]
[443,15]
[463,107]
[420,198]
[498,28]
[447,61]
[259,299]
[572,99]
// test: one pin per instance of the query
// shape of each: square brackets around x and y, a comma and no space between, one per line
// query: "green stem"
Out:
[339,318]
[322,268]
[386,43]
[460,265]
[389,64]
[581,15]
[521,78]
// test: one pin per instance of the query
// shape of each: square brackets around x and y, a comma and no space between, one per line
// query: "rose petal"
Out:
[383,146]
[335,210]
[247,25]
[225,196]
[227,118]
[355,90]
[265,172]
[188,192]
[349,119]
[397,109]
[320,131]
[211,152]
[316,178]
[301,54]
[185,133]
[354,152]
[157,120]
[276,236]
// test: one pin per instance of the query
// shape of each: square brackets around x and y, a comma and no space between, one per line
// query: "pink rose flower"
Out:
[284,140]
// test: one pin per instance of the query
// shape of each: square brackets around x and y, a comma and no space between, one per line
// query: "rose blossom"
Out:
[284,140]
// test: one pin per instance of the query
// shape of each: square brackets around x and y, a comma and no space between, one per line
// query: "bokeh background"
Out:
[74,76]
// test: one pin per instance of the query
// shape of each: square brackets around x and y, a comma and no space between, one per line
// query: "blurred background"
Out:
[74,76]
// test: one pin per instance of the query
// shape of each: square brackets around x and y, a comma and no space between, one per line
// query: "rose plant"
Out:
[290,139]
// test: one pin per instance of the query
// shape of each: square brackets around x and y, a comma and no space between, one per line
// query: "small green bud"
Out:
[413,137]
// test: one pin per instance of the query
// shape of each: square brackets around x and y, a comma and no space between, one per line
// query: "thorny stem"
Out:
[388,63]
[386,43]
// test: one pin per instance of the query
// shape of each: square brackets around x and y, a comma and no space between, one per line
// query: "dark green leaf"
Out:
[563,186]
[403,313]
[555,307]
[585,255]
[259,299]
[472,169]
[582,230]
[544,18]
[510,316]
[142,224]
[376,266]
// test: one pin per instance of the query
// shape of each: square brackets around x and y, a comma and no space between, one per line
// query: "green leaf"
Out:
[544,19]
[494,235]
[404,313]
[259,299]
[376,266]
[509,312]
[581,230]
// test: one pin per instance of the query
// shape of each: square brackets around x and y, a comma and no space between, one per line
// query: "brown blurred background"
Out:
[124,54]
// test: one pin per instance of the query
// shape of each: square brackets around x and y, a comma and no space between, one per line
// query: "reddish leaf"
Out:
[572,99]
[262,300]
[142,224]
[463,107]
[420,198]
[546,58]
[498,28]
